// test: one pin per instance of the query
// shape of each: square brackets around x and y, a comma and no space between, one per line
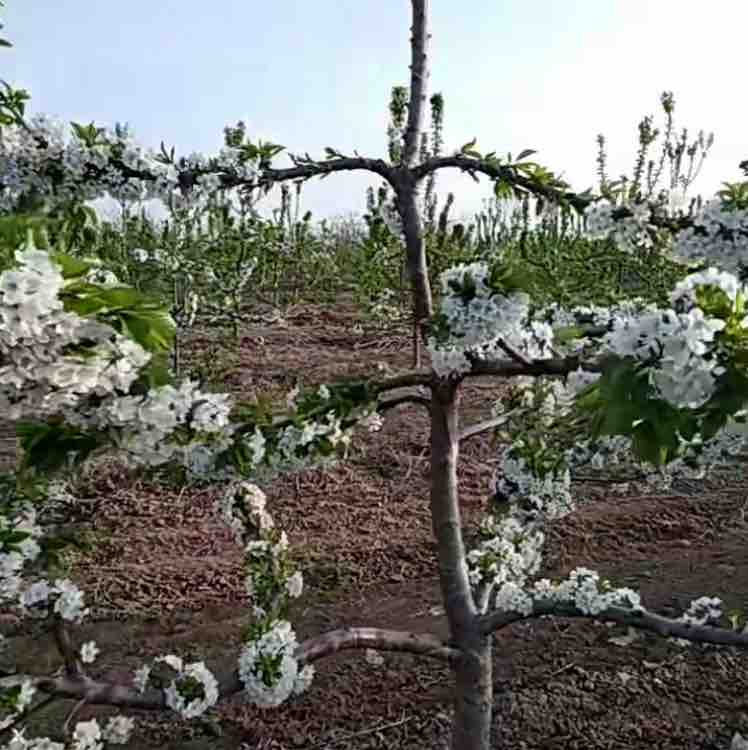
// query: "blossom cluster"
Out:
[88,735]
[152,429]
[483,323]
[268,668]
[629,233]
[510,552]
[41,372]
[191,693]
[267,664]
[717,235]
[55,162]
[678,342]
[52,362]
[679,347]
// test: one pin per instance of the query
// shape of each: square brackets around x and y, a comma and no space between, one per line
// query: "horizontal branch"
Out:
[98,692]
[640,619]
[479,427]
[405,380]
[509,174]
[498,171]
[536,367]
[408,399]
[420,644]
[267,176]
[318,168]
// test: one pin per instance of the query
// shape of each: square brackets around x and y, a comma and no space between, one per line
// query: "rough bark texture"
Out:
[445,511]
[406,186]
[418,80]
[471,725]
[8,445]
[407,196]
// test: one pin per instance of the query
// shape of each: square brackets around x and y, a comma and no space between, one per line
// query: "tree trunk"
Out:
[471,726]
[406,188]
[471,723]
[407,193]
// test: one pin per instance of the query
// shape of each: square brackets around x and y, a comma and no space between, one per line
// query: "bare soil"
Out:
[363,533]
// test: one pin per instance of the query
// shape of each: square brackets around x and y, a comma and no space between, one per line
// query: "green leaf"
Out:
[646,444]
[153,331]
[567,333]
[72,268]
[157,372]
[503,189]
[48,447]
[468,146]
[524,154]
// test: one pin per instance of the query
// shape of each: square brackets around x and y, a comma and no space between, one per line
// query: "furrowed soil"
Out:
[362,532]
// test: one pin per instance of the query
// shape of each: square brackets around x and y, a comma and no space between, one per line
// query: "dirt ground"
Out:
[363,533]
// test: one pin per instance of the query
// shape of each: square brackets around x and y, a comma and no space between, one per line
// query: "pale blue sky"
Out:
[543,74]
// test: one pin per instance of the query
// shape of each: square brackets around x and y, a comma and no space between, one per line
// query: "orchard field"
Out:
[351,480]
[363,532]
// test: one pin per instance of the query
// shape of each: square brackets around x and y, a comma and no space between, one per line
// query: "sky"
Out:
[515,74]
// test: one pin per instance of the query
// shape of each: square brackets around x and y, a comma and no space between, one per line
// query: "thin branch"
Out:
[498,171]
[479,427]
[421,644]
[509,175]
[391,403]
[64,642]
[95,692]
[307,170]
[643,620]
[554,366]
[513,353]
[405,380]
[267,176]
[76,709]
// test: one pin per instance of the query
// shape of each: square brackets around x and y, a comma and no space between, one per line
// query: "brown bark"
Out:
[471,724]
[404,184]
[74,683]
[407,199]
[418,79]
[642,620]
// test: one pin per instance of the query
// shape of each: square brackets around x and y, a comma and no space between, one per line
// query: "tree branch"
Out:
[114,694]
[476,429]
[405,380]
[411,399]
[270,176]
[641,620]
[421,644]
[504,172]
[64,642]
[537,367]
[513,353]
